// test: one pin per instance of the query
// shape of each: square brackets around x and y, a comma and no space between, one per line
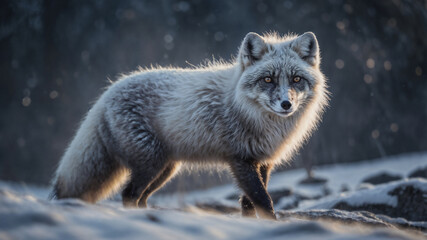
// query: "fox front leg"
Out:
[250,181]
[248,208]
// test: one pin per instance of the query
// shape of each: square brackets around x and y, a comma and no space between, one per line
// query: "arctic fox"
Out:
[250,115]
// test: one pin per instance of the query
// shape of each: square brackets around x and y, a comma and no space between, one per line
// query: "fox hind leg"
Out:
[140,180]
[168,172]
[145,165]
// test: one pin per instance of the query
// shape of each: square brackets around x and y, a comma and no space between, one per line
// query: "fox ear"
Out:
[252,49]
[307,48]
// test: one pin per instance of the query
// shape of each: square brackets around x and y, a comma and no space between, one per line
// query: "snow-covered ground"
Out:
[339,209]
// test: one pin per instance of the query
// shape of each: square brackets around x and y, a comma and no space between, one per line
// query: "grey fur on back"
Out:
[207,115]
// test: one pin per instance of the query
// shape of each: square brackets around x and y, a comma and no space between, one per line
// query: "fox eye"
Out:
[296,79]
[268,79]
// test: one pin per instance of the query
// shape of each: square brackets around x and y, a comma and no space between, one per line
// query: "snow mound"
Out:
[404,198]
[23,216]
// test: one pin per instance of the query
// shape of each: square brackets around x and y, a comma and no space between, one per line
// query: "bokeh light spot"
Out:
[168,38]
[219,36]
[418,71]
[354,47]
[53,94]
[340,25]
[26,101]
[375,134]
[368,79]
[339,63]
[370,63]
[387,65]
[394,127]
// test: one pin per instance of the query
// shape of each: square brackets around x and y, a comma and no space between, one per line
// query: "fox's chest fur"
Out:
[218,129]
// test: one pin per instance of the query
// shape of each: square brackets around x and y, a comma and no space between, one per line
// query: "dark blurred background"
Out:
[57,56]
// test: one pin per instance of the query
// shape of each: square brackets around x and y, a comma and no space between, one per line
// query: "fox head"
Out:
[279,74]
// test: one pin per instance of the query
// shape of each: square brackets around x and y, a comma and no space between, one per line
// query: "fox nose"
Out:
[286,105]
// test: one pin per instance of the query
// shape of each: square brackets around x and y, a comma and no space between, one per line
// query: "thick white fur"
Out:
[182,122]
